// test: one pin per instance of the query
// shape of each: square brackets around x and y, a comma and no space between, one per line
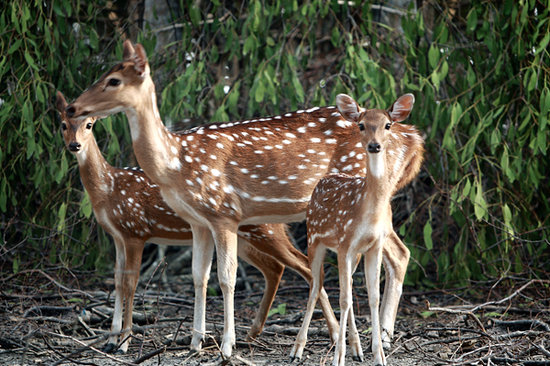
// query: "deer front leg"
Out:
[395,258]
[345,263]
[354,340]
[116,325]
[134,251]
[373,259]
[226,250]
[203,249]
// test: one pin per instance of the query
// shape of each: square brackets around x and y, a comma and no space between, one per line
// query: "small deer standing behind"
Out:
[352,216]
[130,208]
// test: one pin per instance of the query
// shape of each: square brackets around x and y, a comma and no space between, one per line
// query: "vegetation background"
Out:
[480,70]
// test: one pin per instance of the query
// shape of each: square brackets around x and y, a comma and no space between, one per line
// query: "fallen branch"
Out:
[86,346]
[462,312]
[514,294]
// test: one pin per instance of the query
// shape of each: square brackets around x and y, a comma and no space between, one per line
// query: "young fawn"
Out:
[130,208]
[223,175]
[352,216]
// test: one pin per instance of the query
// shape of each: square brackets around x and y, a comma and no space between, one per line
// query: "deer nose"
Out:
[374,147]
[74,146]
[70,110]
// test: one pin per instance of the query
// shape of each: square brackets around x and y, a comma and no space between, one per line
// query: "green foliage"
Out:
[480,74]
[45,47]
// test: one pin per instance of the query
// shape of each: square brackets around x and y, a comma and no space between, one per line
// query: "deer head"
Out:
[375,125]
[76,133]
[119,83]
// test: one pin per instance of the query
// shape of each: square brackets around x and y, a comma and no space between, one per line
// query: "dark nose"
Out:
[74,146]
[70,110]
[374,147]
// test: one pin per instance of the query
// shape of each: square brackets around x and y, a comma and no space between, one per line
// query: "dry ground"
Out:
[45,319]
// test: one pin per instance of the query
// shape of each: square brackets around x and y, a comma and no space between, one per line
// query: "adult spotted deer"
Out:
[223,175]
[130,208]
[352,216]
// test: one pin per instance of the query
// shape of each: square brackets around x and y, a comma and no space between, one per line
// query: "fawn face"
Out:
[115,91]
[76,133]
[375,124]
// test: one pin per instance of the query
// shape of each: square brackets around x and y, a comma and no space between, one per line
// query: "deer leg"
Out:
[317,257]
[373,259]
[395,258]
[116,325]
[272,271]
[345,263]
[354,341]
[134,251]
[291,257]
[203,249]
[226,251]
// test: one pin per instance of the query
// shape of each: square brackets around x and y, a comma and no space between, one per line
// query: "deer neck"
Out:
[378,192]
[95,172]
[154,146]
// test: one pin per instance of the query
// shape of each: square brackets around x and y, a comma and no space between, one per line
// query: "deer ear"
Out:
[60,102]
[141,63]
[128,51]
[348,107]
[401,108]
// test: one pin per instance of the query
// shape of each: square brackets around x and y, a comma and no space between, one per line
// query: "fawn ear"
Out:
[141,63]
[128,51]
[60,102]
[348,107]
[401,108]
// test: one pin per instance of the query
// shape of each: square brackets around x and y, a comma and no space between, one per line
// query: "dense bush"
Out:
[480,208]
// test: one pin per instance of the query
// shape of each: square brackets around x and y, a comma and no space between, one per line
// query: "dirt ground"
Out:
[50,320]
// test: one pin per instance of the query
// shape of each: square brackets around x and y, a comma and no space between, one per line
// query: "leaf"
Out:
[260,91]
[466,190]
[427,313]
[543,43]
[472,20]
[428,236]
[433,55]
[456,113]
[61,213]
[30,60]
[480,205]
[280,309]
[298,89]
[86,205]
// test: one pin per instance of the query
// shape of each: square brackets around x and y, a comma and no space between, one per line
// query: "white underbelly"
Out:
[274,219]
[166,241]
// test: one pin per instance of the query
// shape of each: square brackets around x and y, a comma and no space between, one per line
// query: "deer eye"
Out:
[64,126]
[388,126]
[114,82]
[89,125]
[362,126]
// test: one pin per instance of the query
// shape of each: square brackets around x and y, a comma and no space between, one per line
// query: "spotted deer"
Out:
[352,216]
[223,175]
[130,208]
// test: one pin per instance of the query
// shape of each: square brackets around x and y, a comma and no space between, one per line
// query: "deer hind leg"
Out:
[317,257]
[373,259]
[203,250]
[226,249]
[134,251]
[395,258]
[289,256]
[354,340]
[116,325]
[272,271]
